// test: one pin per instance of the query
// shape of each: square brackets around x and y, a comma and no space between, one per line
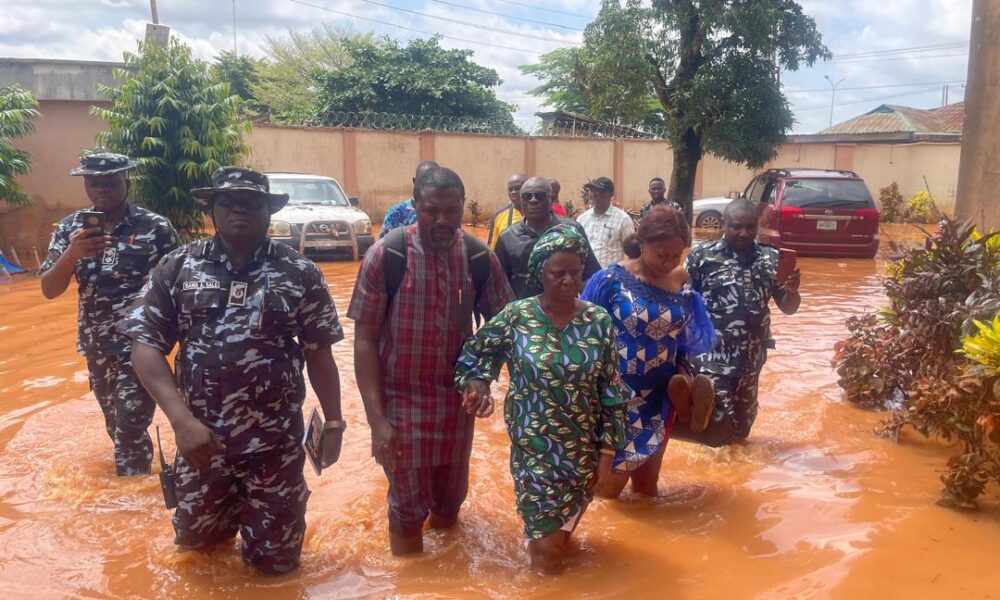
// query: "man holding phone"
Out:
[737,276]
[110,250]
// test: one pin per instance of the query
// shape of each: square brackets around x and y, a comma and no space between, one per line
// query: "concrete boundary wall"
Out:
[377,166]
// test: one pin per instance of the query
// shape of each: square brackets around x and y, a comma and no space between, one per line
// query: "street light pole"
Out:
[152,9]
[833,94]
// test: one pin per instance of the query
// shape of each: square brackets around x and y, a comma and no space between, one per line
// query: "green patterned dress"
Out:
[565,398]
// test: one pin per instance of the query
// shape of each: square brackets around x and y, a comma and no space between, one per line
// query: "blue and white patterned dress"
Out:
[655,329]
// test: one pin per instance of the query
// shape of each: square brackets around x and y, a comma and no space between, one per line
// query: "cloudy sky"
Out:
[886,51]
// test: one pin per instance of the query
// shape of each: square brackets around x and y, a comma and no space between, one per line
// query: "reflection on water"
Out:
[812,506]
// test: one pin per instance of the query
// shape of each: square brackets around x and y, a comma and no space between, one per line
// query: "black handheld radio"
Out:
[167,483]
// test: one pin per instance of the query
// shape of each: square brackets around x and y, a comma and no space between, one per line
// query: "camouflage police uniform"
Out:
[242,336]
[108,284]
[649,206]
[736,295]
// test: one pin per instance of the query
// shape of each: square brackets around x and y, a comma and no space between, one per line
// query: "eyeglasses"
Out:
[537,196]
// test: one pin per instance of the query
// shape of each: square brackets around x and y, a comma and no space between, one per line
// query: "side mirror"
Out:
[733,195]
[354,201]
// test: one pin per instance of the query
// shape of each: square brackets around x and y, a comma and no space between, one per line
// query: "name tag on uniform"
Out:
[202,285]
[110,256]
[238,293]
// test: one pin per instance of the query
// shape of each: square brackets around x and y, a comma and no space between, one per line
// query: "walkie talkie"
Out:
[166,476]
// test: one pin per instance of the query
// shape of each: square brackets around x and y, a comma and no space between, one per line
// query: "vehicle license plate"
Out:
[321,244]
[826,225]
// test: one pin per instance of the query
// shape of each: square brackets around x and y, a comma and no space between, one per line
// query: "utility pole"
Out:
[156,34]
[833,94]
[235,52]
[979,167]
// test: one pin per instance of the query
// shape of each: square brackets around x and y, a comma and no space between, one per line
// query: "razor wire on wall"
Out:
[564,127]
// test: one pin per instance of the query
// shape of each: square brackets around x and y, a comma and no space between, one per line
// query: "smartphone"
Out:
[786,264]
[92,218]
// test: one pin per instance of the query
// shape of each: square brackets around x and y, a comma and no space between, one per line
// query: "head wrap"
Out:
[561,238]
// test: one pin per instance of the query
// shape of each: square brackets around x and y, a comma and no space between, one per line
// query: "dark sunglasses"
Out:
[538,196]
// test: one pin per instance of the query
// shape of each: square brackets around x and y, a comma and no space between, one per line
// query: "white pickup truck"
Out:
[319,217]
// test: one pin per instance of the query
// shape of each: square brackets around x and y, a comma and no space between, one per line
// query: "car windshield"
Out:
[310,191]
[827,193]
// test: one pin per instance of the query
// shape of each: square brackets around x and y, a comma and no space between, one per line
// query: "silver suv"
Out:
[319,217]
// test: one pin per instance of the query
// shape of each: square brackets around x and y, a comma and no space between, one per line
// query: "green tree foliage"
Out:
[712,66]
[18,110]
[286,88]
[242,73]
[178,122]
[572,84]
[421,78]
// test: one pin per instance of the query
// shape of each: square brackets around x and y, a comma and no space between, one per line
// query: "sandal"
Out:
[679,392]
[702,403]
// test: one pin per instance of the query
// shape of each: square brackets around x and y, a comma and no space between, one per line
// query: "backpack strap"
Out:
[394,260]
[394,263]
[478,254]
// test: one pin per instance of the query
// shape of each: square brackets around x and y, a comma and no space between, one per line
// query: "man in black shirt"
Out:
[517,242]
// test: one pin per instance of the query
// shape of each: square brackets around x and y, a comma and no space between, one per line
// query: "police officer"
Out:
[111,261]
[736,275]
[248,314]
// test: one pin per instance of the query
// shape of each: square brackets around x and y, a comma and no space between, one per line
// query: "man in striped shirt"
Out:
[607,226]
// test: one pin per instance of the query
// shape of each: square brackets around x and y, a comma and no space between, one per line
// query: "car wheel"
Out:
[709,219]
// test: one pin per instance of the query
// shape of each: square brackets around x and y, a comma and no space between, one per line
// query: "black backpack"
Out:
[478,254]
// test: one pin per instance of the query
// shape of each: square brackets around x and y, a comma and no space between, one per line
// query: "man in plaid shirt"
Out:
[405,349]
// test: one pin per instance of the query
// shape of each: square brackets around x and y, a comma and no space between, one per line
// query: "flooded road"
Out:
[812,506]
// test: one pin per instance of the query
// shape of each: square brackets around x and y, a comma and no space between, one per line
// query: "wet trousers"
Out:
[414,493]
[128,411]
[263,497]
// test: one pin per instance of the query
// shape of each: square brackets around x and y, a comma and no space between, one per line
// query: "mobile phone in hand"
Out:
[93,218]
[787,260]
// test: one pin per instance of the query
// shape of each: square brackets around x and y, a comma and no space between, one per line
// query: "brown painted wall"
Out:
[378,166]
[63,132]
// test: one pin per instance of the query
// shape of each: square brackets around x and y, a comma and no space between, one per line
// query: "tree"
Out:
[570,84]
[180,124]
[711,64]
[421,79]
[242,73]
[18,110]
[286,89]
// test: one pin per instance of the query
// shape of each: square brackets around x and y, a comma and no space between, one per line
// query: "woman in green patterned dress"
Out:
[564,409]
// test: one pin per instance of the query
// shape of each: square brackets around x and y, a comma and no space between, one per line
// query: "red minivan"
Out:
[816,212]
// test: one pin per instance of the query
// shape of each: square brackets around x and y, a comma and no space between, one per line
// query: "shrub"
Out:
[920,208]
[475,212]
[929,357]
[180,124]
[891,200]
[18,111]
[570,208]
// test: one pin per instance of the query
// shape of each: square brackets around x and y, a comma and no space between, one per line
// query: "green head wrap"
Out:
[561,238]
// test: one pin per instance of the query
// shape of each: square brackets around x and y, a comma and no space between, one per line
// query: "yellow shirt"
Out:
[502,219]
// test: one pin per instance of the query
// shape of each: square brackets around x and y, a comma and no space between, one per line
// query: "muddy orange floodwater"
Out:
[812,506]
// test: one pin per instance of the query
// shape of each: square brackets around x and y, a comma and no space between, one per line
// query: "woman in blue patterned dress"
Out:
[564,406]
[658,323]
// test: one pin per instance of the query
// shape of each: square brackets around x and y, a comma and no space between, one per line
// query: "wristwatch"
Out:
[341,425]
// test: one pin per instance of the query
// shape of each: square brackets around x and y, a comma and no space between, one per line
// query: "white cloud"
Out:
[60,29]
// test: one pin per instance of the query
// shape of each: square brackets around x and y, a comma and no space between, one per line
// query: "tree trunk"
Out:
[687,154]
[979,168]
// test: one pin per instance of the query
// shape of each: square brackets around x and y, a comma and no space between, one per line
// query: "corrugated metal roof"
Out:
[889,118]
[951,117]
